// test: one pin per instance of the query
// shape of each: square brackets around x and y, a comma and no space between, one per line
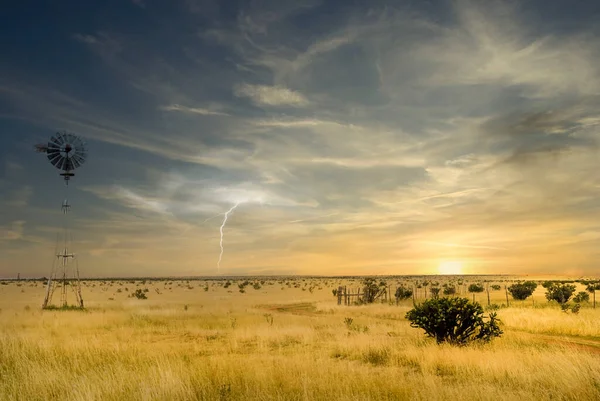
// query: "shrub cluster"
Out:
[522,291]
[560,293]
[454,320]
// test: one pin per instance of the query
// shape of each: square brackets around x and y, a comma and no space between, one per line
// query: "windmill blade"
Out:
[52,149]
[53,142]
[81,155]
[76,163]
[59,139]
[55,159]
[77,160]
[68,166]
[61,163]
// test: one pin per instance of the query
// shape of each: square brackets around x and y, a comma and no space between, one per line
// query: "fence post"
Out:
[506,292]
[339,295]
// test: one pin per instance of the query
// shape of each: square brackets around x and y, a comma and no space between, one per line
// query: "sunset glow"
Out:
[450,267]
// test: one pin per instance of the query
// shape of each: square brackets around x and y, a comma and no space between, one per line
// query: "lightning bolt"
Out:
[221,231]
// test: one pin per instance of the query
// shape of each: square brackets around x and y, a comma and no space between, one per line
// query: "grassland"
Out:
[286,340]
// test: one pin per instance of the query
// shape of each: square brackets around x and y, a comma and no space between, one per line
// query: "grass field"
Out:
[286,340]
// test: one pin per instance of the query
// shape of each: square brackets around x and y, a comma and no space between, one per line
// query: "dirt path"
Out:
[301,308]
[584,344]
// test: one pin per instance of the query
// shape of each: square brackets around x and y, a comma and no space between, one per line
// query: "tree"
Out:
[522,291]
[495,287]
[403,293]
[560,293]
[435,292]
[473,288]
[454,320]
[591,288]
[371,290]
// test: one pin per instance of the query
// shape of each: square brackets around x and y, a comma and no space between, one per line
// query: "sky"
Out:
[356,137]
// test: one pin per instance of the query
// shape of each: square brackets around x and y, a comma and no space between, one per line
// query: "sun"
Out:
[450,267]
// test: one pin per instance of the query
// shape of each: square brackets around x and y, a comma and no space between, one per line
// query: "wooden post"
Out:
[487,289]
[339,295]
[594,295]
[345,296]
[506,292]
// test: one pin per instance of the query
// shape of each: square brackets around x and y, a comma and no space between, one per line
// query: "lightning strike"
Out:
[221,231]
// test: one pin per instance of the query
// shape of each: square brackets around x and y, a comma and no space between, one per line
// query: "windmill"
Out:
[66,152]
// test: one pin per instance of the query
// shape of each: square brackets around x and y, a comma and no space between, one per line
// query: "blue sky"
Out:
[358,137]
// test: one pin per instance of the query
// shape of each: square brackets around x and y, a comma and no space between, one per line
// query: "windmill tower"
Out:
[66,152]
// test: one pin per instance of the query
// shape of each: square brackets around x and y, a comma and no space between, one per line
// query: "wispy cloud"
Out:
[13,231]
[193,110]
[264,95]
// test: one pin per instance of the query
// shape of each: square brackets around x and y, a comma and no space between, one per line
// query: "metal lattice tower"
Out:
[66,152]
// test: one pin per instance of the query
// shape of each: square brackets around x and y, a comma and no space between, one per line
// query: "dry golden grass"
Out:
[223,347]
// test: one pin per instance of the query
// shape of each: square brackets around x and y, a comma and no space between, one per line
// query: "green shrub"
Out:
[560,293]
[403,293]
[139,294]
[476,288]
[449,290]
[454,320]
[495,287]
[522,291]
[581,297]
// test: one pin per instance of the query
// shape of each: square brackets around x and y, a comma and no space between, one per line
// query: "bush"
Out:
[371,290]
[581,297]
[449,290]
[435,292]
[495,287]
[560,293]
[454,320]
[592,287]
[139,294]
[403,293]
[522,291]
[548,284]
[476,288]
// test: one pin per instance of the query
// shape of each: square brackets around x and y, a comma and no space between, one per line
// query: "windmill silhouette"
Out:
[66,152]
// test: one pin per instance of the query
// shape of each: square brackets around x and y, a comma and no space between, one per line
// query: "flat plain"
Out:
[283,338]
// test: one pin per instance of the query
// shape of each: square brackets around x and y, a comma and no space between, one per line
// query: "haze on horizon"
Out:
[374,137]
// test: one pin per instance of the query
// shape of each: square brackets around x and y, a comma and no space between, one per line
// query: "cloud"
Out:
[13,231]
[492,45]
[378,136]
[264,95]
[193,110]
